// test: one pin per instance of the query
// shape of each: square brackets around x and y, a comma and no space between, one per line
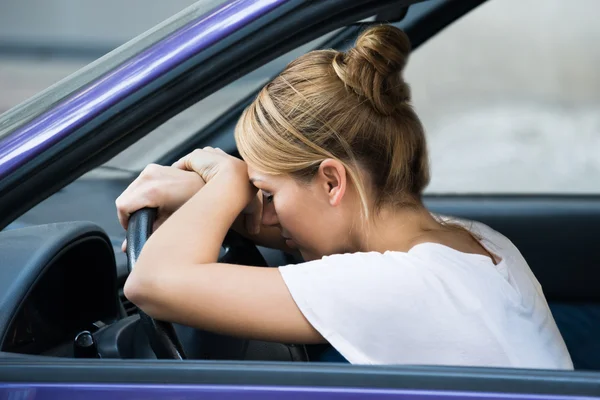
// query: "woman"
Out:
[334,165]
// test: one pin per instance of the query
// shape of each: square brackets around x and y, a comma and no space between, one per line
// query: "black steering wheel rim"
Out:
[161,334]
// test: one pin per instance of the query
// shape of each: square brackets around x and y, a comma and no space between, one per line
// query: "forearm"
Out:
[177,277]
[194,234]
[269,236]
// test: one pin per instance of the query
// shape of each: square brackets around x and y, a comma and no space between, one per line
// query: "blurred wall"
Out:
[43,41]
[510,98]
[81,23]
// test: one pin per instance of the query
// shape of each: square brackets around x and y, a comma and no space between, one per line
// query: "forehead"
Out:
[254,174]
[257,176]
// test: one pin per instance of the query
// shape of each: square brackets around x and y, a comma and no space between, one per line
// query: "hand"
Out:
[165,188]
[208,162]
[253,214]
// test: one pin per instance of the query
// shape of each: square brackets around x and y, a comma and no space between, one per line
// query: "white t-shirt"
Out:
[432,305]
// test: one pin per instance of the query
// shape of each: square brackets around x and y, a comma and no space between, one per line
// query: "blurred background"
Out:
[509,95]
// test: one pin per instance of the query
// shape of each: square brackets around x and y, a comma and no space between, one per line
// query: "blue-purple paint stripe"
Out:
[207,392]
[57,123]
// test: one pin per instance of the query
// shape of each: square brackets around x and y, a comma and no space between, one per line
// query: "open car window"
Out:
[513,108]
[24,112]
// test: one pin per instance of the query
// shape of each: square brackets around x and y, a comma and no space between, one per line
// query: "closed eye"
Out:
[267,196]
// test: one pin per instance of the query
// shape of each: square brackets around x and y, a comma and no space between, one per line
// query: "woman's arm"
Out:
[268,236]
[177,277]
[168,188]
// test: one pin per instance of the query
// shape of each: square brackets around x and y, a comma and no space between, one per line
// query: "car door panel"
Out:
[556,235]
[166,379]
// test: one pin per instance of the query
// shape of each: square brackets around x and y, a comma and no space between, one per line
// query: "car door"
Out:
[94,135]
[129,379]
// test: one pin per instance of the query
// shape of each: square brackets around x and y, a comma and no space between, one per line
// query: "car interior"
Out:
[62,277]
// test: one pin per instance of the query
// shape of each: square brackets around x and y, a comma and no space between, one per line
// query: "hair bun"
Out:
[373,67]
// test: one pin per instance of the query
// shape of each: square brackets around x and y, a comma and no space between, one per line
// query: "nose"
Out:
[269,216]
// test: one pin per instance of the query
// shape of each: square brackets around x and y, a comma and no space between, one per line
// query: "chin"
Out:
[313,255]
[308,256]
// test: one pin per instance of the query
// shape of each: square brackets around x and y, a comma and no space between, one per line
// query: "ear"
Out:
[332,178]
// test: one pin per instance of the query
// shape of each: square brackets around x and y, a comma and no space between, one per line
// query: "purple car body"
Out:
[65,117]
[209,392]
[56,124]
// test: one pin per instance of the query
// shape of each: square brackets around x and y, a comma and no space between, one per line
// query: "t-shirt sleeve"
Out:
[348,299]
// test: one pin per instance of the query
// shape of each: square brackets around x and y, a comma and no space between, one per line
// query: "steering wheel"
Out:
[161,335]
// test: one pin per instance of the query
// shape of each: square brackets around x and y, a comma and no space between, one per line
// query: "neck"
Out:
[396,229]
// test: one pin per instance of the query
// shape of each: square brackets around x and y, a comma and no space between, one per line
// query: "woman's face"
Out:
[315,217]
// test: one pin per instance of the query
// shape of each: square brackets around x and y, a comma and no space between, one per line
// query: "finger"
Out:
[129,202]
[122,215]
[256,220]
[123,209]
[122,200]
[222,152]
[185,162]
[181,163]
[132,198]
[254,217]
[124,246]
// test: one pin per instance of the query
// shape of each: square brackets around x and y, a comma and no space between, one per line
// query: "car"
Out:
[67,331]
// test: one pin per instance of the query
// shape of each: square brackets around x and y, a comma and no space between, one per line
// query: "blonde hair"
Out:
[350,106]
